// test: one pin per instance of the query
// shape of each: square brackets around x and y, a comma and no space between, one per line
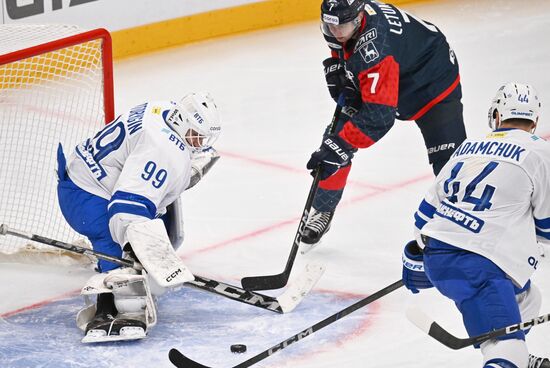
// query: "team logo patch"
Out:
[369,52]
[156,110]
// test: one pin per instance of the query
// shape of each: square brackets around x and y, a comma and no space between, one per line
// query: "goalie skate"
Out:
[106,328]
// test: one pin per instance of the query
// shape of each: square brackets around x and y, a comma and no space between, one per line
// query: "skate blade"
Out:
[126,334]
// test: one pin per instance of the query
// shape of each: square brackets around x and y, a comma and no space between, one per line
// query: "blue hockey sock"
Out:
[499,363]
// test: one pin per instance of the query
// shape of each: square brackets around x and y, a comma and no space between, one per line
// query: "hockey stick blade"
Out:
[283,303]
[270,282]
[181,361]
[432,328]
[279,280]
[292,297]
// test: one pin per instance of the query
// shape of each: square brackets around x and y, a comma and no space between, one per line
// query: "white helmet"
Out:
[196,120]
[515,101]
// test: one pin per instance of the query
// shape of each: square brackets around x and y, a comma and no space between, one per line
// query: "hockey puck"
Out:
[238,348]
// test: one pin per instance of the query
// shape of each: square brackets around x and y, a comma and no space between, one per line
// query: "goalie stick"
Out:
[432,328]
[284,303]
[269,282]
[181,361]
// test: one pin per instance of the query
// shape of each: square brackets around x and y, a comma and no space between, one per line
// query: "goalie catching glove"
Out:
[414,275]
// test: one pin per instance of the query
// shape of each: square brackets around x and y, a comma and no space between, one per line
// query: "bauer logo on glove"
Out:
[336,148]
[333,154]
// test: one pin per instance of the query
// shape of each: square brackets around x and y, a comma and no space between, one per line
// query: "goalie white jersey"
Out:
[136,162]
[493,198]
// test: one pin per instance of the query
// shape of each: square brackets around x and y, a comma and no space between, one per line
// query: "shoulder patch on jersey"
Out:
[369,52]
[370,10]
[368,36]
[156,110]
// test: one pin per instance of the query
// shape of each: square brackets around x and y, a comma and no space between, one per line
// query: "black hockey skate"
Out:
[535,362]
[105,327]
[108,328]
[317,225]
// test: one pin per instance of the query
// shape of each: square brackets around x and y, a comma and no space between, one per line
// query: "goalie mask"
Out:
[514,101]
[196,120]
[340,19]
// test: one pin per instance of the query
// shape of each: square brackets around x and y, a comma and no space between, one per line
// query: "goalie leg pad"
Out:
[133,297]
[152,247]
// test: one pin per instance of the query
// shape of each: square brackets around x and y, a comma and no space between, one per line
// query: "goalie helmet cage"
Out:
[56,85]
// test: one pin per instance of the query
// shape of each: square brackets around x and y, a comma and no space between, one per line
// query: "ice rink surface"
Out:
[241,220]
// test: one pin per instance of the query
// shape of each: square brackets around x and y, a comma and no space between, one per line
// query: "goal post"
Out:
[56,86]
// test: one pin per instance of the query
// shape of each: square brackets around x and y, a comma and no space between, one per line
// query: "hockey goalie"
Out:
[121,189]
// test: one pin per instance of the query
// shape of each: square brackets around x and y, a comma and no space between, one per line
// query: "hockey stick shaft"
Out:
[6,230]
[181,361]
[278,281]
[203,283]
[437,332]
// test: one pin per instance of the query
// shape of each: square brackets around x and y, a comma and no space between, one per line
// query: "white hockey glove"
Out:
[201,163]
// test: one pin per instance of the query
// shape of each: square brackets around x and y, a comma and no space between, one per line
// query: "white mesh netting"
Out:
[56,96]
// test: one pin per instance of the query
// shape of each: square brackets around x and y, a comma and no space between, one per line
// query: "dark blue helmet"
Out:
[340,11]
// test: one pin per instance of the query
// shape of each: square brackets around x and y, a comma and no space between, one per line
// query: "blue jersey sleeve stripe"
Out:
[419,221]
[128,208]
[543,223]
[138,199]
[427,209]
[543,234]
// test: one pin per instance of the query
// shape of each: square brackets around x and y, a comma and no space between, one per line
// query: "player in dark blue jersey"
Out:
[386,64]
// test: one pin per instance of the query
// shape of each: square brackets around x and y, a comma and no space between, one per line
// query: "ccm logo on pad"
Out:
[173,275]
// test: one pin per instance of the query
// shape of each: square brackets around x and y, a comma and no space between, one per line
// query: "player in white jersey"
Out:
[479,225]
[114,187]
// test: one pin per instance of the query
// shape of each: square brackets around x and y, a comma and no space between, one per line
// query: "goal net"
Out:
[55,87]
